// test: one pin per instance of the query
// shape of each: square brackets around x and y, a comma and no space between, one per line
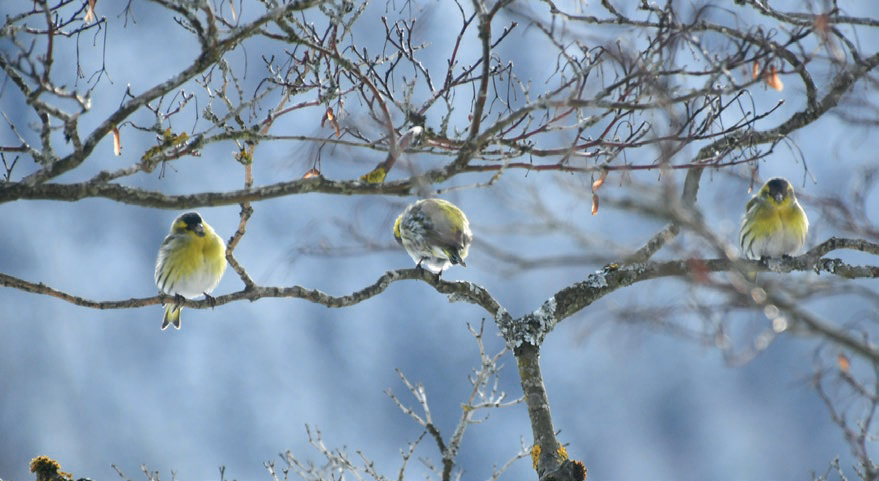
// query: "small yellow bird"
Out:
[774,223]
[435,233]
[191,262]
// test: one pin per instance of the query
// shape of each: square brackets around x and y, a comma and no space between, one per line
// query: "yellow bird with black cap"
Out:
[191,262]
[774,223]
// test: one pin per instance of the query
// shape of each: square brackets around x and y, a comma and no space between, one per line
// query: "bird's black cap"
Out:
[191,218]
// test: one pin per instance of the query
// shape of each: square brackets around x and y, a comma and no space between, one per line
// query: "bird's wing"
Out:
[445,232]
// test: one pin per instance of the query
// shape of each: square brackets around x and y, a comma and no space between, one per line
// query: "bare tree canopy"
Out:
[604,154]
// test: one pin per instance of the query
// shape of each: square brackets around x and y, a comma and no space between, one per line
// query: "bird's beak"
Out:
[198,229]
[779,197]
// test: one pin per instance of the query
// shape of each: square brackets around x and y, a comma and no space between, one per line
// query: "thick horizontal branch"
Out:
[148,198]
[457,289]
[531,328]
[26,189]
[99,188]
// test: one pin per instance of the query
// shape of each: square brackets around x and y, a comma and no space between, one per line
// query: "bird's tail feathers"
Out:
[172,316]
[455,257]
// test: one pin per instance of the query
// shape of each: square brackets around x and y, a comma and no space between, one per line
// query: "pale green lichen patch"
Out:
[531,328]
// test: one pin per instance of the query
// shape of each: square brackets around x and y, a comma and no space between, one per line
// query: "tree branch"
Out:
[531,328]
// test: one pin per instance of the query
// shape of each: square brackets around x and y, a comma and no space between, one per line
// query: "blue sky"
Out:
[238,384]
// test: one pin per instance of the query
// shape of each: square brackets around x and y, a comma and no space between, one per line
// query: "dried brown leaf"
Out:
[822,25]
[90,13]
[844,363]
[598,183]
[773,80]
[331,118]
[117,142]
[699,270]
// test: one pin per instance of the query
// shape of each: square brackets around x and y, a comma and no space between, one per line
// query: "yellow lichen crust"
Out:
[47,469]
[377,176]
[535,455]
[169,141]
[563,453]
[244,156]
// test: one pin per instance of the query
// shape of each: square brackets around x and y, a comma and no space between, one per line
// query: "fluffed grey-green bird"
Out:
[435,233]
